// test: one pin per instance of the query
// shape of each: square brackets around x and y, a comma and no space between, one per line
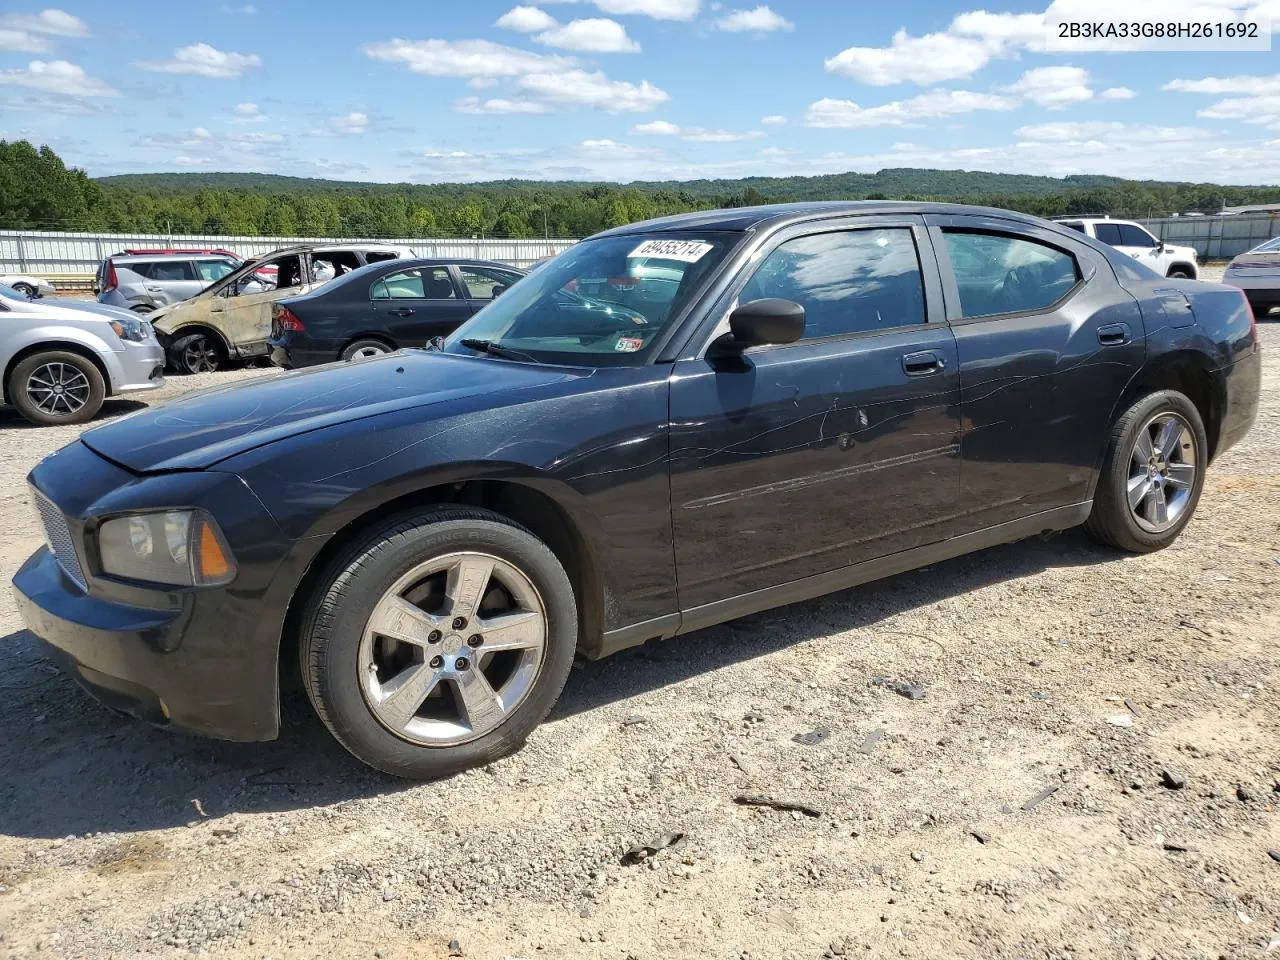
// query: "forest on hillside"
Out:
[39,192]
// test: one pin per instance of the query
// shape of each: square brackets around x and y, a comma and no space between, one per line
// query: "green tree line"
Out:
[39,192]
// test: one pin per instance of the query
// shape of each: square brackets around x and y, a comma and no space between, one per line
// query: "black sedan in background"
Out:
[382,307]
[670,425]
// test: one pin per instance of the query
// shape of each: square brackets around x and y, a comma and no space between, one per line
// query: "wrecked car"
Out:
[231,318]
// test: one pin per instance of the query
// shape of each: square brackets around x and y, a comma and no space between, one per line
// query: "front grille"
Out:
[59,537]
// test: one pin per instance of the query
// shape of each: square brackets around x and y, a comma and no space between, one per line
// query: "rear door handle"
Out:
[1113,334]
[922,364]
[402,312]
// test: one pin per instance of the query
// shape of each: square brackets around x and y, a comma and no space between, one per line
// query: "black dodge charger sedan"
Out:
[382,307]
[670,425]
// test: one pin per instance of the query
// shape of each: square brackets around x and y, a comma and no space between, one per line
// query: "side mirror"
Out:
[771,320]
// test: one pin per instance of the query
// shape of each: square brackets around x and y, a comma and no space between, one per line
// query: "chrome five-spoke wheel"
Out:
[1162,472]
[452,648]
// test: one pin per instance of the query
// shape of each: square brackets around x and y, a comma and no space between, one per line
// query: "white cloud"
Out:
[924,60]
[757,20]
[248,113]
[592,89]
[23,41]
[526,20]
[351,124]
[658,128]
[699,135]
[500,105]
[203,60]
[465,58]
[657,9]
[774,120]
[1247,85]
[1117,93]
[56,23]
[57,76]
[53,105]
[1053,87]
[832,113]
[600,144]
[596,35]
[247,9]
[1109,131]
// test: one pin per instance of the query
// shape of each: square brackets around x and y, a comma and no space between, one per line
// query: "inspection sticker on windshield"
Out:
[687,251]
[628,344]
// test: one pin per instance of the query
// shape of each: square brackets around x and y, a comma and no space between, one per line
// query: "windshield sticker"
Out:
[628,344]
[686,251]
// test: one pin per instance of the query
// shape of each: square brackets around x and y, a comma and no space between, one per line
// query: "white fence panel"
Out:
[1217,237]
[51,254]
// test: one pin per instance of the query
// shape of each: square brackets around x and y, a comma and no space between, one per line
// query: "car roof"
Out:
[134,257]
[741,219]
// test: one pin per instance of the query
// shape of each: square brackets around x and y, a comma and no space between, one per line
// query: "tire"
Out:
[197,353]
[364,348]
[1180,273]
[142,308]
[56,387]
[25,289]
[351,670]
[1140,529]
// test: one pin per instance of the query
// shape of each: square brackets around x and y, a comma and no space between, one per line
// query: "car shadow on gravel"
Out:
[662,663]
[74,767]
[111,408]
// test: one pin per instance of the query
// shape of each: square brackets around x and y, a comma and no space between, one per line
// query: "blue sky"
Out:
[631,89]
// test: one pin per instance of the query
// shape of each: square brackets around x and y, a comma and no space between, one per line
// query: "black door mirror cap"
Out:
[771,320]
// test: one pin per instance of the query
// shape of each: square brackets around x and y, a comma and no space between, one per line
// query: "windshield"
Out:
[1271,246]
[601,302]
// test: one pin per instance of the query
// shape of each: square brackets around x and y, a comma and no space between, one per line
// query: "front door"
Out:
[803,458]
[242,312]
[415,305]
[1048,342]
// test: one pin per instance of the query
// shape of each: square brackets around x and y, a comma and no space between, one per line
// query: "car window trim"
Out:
[718,313]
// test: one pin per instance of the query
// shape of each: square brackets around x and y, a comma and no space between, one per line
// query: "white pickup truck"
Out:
[1133,239]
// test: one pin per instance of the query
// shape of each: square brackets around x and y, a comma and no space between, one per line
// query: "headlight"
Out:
[127,328]
[176,548]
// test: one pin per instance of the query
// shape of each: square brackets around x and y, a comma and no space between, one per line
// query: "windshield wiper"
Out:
[498,350]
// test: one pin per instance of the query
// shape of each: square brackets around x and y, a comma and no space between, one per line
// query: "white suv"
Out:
[1133,239]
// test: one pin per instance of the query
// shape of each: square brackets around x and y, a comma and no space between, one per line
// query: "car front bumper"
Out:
[141,367]
[203,660]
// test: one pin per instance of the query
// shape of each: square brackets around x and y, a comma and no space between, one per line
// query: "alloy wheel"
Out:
[58,388]
[452,648]
[200,356]
[365,352]
[1162,472]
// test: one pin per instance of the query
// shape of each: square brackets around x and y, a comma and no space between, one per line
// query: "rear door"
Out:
[242,313]
[417,304]
[1048,342]
[802,458]
[176,280]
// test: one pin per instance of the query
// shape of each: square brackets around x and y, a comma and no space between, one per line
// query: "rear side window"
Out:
[1077,227]
[376,256]
[429,283]
[480,281]
[162,270]
[1108,233]
[999,274]
[848,282]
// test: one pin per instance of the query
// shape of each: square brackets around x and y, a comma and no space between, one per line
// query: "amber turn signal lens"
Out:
[213,562]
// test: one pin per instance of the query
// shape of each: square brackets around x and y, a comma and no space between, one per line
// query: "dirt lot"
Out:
[1144,692]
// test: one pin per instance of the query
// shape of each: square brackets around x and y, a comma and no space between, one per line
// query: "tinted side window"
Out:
[847,282]
[999,274]
[480,282]
[213,270]
[375,256]
[1108,233]
[1131,236]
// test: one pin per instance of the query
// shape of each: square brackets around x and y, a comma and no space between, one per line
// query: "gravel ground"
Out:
[1092,771]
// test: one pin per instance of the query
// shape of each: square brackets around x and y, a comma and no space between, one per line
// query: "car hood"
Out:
[203,428]
[88,306]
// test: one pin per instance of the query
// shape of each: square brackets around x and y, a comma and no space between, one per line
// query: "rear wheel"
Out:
[364,348]
[1180,273]
[438,641]
[56,387]
[142,308]
[196,353]
[1153,474]
[26,289]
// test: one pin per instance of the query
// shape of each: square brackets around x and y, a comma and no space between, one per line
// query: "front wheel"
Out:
[57,387]
[196,353]
[1153,474]
[1180,273]
[438,641]
[26,289]
[362,349]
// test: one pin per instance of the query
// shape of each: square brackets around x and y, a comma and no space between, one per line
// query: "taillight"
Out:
[112,281]
[287,320]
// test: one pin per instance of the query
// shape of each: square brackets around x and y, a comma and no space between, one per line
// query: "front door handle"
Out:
[1113,334]
[402,312]
[922,364]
